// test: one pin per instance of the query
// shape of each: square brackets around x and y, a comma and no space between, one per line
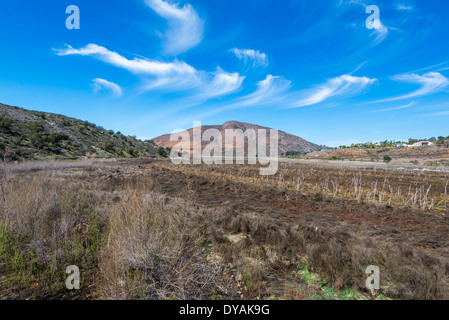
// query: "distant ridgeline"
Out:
[28,134]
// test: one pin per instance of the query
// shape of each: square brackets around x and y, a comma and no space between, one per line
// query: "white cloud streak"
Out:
[439,114]
[100,84]
[272,90]
[431,82]
[397,108]
[170,76]
[345,85]
[380,34]
[258,58]
[222,83]
[136,66]
[185,27]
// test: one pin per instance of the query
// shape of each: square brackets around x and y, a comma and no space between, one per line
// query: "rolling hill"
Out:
[26,134]
[287,142]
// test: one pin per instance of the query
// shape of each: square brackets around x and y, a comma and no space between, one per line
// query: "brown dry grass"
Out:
[424,190]
[149,230]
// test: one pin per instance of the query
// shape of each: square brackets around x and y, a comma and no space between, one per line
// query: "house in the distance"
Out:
[422,144]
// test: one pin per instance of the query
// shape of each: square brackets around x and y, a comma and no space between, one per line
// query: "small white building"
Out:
[422,144]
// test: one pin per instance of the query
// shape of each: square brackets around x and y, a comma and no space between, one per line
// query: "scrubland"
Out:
[146,229]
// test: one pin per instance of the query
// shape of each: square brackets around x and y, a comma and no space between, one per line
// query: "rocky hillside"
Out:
[28,134]
[287,142]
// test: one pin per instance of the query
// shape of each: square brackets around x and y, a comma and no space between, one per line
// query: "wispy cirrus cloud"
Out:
[222,83]
[431,83]
[185,27]
[272,90]
[277,91]
[397,108]
[380,34]
[101,84]
[439,114]
[136,66]
[168,76]
[259,59]
[342,86]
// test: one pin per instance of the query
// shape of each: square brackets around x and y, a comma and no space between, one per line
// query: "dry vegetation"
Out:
[146,229]
[421,189]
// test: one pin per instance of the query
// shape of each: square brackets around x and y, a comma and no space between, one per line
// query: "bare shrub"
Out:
[155,250]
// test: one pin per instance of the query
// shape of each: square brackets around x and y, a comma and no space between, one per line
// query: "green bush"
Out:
[132,152]
[56,137]
[119,152]
[36,127]
[5,124]
[108,146]
[40,141]
[162,152]
[387,159]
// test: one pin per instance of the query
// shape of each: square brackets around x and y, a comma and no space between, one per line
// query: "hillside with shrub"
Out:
[26,134]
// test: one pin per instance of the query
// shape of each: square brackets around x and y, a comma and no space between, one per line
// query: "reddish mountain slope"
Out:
[287,142]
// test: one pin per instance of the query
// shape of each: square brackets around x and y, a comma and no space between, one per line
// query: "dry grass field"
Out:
[147,229]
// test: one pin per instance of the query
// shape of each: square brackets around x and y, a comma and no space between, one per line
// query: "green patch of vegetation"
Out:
[5,124]
[387,159]
[293,154]
[27,262]
[35,135]
[432,164]
[164,152]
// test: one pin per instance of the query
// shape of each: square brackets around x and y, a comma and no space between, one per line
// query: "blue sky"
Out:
[307,67]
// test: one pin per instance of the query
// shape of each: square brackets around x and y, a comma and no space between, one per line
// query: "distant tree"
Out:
[387,159]
[162,152]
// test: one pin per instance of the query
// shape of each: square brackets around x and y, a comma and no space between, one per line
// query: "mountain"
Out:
[26,134]
[287,142]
